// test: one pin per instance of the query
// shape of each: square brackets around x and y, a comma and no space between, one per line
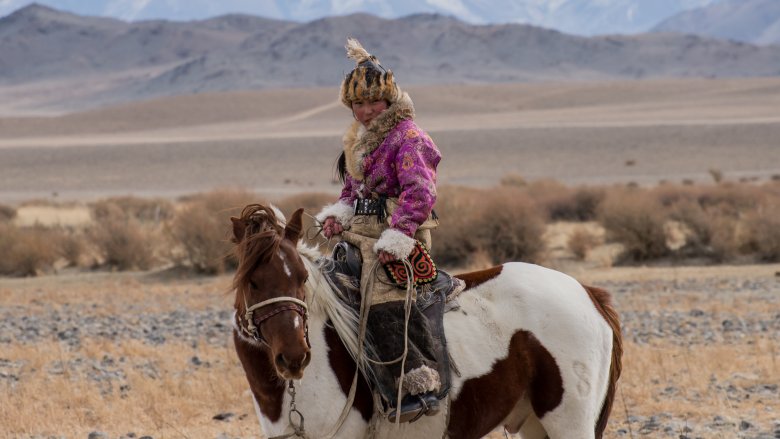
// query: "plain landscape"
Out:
[93,344]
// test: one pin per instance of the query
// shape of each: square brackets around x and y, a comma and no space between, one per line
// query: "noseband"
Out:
[293,304]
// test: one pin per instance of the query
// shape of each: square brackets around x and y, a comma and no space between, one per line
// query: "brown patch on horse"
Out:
[344,368]
[476,278]
[267,388]
[528,369]
[603,303]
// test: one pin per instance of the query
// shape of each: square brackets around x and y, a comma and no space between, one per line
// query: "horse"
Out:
[533,350]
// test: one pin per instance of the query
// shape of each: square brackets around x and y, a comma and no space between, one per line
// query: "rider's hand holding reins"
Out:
[331,227]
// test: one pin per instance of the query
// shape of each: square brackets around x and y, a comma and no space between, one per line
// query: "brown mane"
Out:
[262,237]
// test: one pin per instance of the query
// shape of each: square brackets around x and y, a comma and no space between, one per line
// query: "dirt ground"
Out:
[150,354]
[286,141]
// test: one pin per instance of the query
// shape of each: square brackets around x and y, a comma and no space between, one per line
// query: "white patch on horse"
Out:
[297,322]
[284,263]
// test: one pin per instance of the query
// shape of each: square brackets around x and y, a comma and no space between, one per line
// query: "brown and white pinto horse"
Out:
[536,351]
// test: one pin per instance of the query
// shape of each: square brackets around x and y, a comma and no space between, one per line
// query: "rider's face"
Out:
[366,111]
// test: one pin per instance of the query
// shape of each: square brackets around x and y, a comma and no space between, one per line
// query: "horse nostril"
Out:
[281,362]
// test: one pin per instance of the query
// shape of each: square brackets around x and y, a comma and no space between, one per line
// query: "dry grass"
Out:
[169,396]
[156,391]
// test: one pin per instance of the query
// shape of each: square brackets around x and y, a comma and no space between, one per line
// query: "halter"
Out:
[294,304]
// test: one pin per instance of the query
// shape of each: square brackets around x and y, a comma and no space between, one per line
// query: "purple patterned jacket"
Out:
[403,167]
[392,157]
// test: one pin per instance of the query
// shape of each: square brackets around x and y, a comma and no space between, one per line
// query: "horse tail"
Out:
[603,303]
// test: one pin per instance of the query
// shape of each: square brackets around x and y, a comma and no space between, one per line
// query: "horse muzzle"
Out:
[290,367]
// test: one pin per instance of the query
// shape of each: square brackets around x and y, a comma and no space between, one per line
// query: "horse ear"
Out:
[294,227]
[239,229]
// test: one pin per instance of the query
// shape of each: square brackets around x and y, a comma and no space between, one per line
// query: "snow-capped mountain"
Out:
[752,21]
[582,17]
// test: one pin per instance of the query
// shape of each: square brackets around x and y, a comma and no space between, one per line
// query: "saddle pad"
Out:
[424,269]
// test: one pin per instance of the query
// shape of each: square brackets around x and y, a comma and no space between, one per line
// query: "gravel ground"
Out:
[668,324]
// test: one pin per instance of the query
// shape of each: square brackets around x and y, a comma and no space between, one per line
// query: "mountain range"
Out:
[581,17]
[752,21]
[71,60]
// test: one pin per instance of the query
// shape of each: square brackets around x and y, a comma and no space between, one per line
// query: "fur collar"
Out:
[360,141]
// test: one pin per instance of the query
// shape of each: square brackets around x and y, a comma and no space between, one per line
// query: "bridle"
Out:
[290,304]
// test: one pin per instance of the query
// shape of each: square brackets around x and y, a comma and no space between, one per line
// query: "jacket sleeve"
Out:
[343,209]
[415,166]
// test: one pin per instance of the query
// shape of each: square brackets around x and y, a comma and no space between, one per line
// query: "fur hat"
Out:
[368,81]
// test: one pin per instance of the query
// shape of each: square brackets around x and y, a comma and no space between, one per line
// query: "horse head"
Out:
[270,297]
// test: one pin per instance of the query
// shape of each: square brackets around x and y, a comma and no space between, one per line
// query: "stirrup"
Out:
[414,407]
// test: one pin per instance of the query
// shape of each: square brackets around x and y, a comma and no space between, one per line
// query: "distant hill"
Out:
[580,17]
[752,21]
[88,61]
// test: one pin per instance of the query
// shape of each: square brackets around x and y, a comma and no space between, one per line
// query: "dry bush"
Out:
[563,203]
[202,229]
[7,213]
[633,218]
[123,243]
[503,223]
[454,241]
[27,251]
[731,199]
[515,180]
[725,242]
[582,241]
[764,232]
[154,210]
[73,248]
[510,227]
[311,203]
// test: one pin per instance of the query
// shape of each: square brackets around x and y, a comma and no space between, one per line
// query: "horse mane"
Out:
[262,237]
[326,299]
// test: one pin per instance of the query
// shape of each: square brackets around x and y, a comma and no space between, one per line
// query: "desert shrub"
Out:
[73,248]
[455,241]
[311,203]
[502,223]
[202,229]
[581,205]
[153,210]
[515,180]
[582,241]
[510,227]
[633,218]
[123,243]
[27,251]
[725,242]
[764,232]
[731,199]
[7,213]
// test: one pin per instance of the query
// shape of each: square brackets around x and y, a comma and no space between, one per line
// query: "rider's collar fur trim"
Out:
[359,141]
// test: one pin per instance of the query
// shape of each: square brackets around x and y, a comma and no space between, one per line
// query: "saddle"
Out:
[433,300]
